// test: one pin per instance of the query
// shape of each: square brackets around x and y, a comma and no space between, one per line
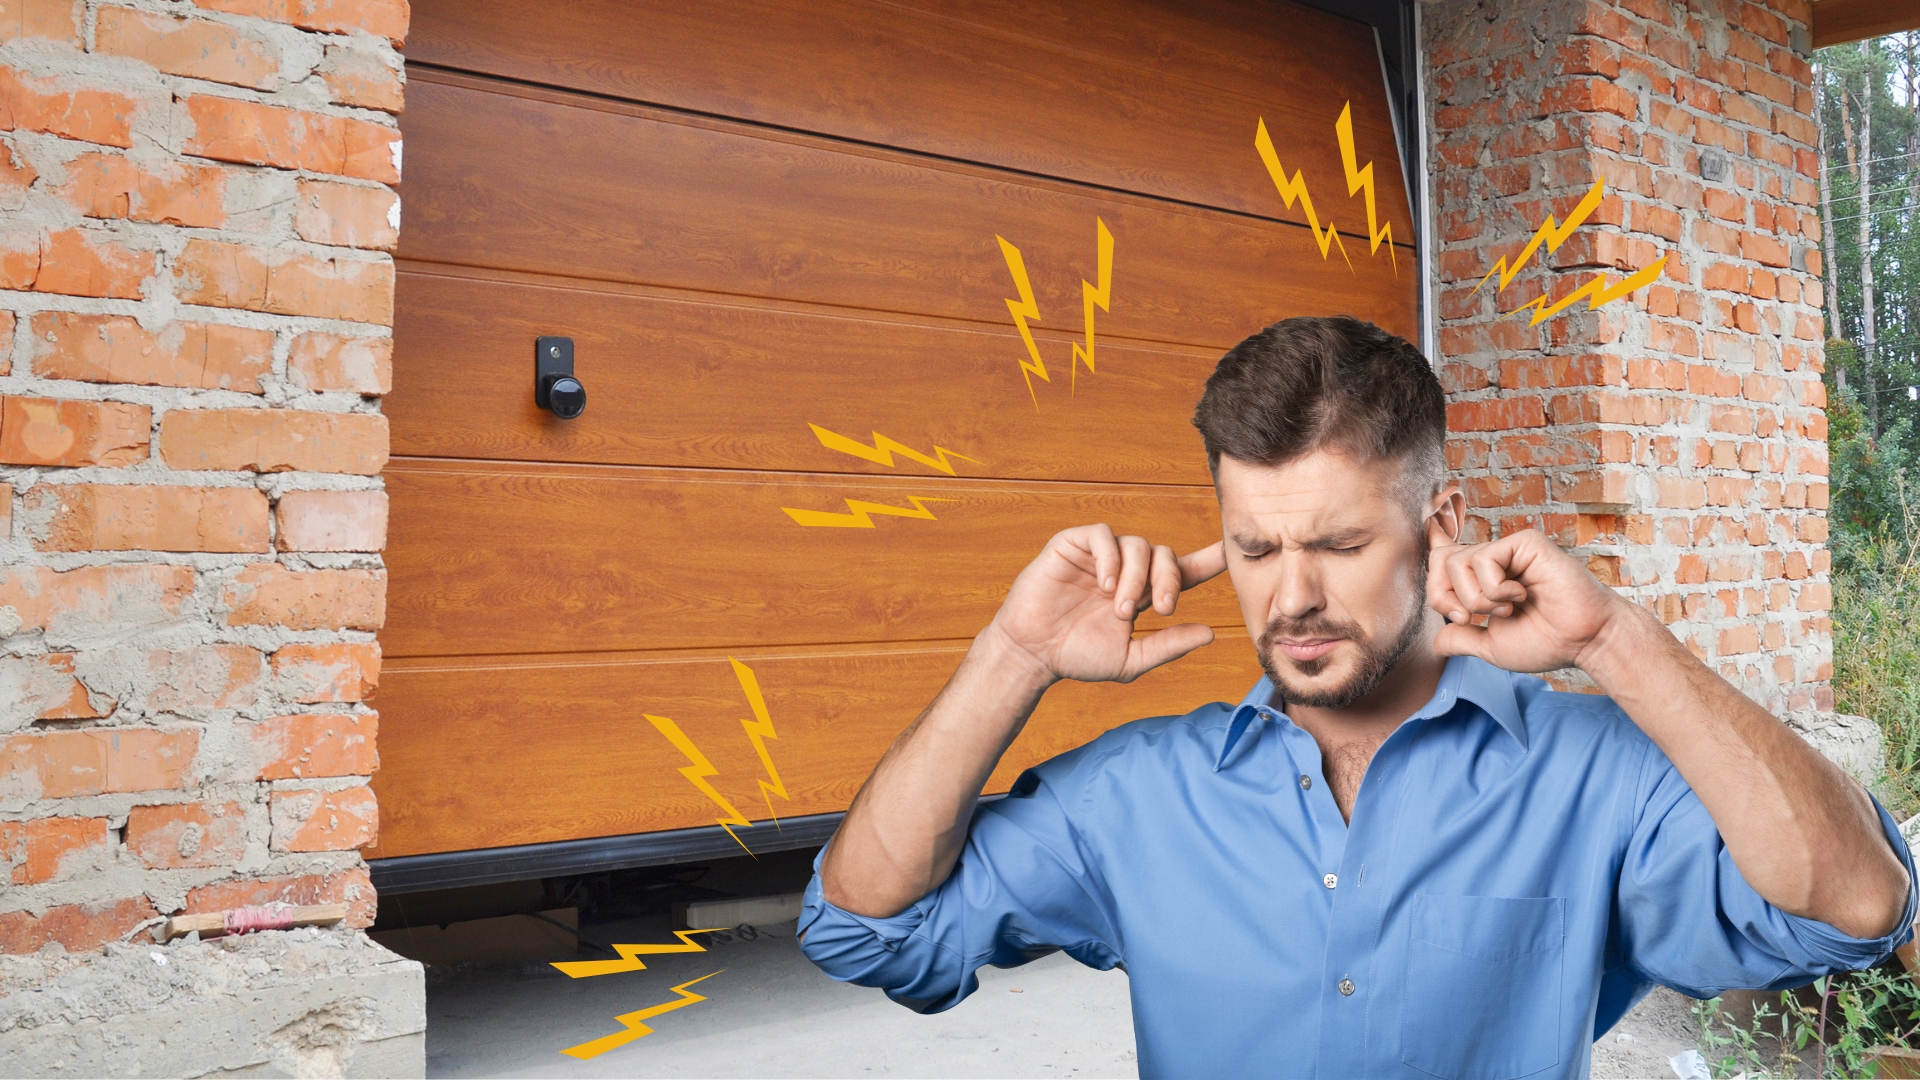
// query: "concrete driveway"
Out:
[771,1013]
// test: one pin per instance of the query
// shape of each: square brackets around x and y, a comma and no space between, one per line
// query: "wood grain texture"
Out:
[489,558]
[759,215]
[526,751]
[582,188]
[1837,22]
[1149,96]
[679,383]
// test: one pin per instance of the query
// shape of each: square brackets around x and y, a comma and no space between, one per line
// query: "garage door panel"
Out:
[580,189]
[676,383]
[560,751]
[493,558]
[1090,93]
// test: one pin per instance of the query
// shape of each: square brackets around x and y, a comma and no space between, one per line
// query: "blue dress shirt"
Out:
[1521,868]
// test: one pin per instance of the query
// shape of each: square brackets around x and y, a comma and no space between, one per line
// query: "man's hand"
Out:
[1069,615]
[1803,833]
[1072,609]
[1544,609]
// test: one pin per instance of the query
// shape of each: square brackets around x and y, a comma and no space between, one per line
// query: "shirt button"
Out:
[1330,880]
[1346,987]
[1305,781]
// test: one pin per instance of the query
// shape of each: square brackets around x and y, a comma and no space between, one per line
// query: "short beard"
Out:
[1376,659]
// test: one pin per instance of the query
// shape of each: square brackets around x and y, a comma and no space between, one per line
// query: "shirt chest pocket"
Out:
[1483,986]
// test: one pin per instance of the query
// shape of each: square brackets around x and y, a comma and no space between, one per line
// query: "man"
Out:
[1393,857]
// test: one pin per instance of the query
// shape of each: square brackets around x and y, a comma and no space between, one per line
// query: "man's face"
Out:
[1329,564]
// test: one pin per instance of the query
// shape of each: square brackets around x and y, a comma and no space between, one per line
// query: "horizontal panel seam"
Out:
[549,470]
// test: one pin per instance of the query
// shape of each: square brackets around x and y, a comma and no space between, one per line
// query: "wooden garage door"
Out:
[772,229]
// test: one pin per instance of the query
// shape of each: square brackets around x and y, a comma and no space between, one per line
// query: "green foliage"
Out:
[1875,542]
[1854,1013]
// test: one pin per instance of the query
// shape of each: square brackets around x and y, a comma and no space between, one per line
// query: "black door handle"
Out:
[554,385]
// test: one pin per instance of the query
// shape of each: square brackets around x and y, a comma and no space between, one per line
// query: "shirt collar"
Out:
[1465,678]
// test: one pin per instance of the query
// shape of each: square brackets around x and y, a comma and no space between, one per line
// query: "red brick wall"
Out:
[195,296]
[1678,437]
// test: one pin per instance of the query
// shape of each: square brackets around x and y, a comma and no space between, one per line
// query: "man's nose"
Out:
[1298,594]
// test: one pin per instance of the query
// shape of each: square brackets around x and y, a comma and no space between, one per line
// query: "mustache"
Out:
[1314,627]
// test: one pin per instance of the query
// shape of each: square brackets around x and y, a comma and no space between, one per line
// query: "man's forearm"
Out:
[1803,834]
[906,827]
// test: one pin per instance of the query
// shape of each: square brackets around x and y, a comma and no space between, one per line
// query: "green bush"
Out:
[1875,543]
[1855,1013]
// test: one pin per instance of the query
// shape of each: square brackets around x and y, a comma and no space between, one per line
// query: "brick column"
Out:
[195,296]
[1677,438]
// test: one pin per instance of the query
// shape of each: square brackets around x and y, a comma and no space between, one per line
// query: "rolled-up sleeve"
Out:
[1022,888]
[1687,918]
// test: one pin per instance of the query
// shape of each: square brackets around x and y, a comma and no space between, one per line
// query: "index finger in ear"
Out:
[1203,565]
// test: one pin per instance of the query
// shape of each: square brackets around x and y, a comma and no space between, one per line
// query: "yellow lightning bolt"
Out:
[883,449]
[861,517]
[1025,309]
[1359,180]
[1293,189]
[760,729]
[1090,296]
[697,773]
[1597,291]
[630,956]
[633,1021]
[1553,235]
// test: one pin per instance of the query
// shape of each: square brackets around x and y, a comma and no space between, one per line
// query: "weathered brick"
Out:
[67,764]
[325,820]
[205,677]
[96,116]
[52,432]
[38,850]
[54,20]
[268,594]
[387,18]
[194,48]
[347,215]
[45,688]
[228,129]
[167,193]
[78,927]
[224,275]
[315,745]
[117,349]
[73,262]
[1737,640]
[272,440]
[321,361]
[331,521]
[174,835]
[358,76]
[147,517]
[351,887]
[65,603]
[343,672]
[1497,414]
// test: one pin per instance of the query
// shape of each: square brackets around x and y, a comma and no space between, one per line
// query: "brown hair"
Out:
[1337,382]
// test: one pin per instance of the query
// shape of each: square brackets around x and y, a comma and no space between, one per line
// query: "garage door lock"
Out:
[554,386]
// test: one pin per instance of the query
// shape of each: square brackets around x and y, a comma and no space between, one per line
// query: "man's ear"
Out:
[1446,515]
